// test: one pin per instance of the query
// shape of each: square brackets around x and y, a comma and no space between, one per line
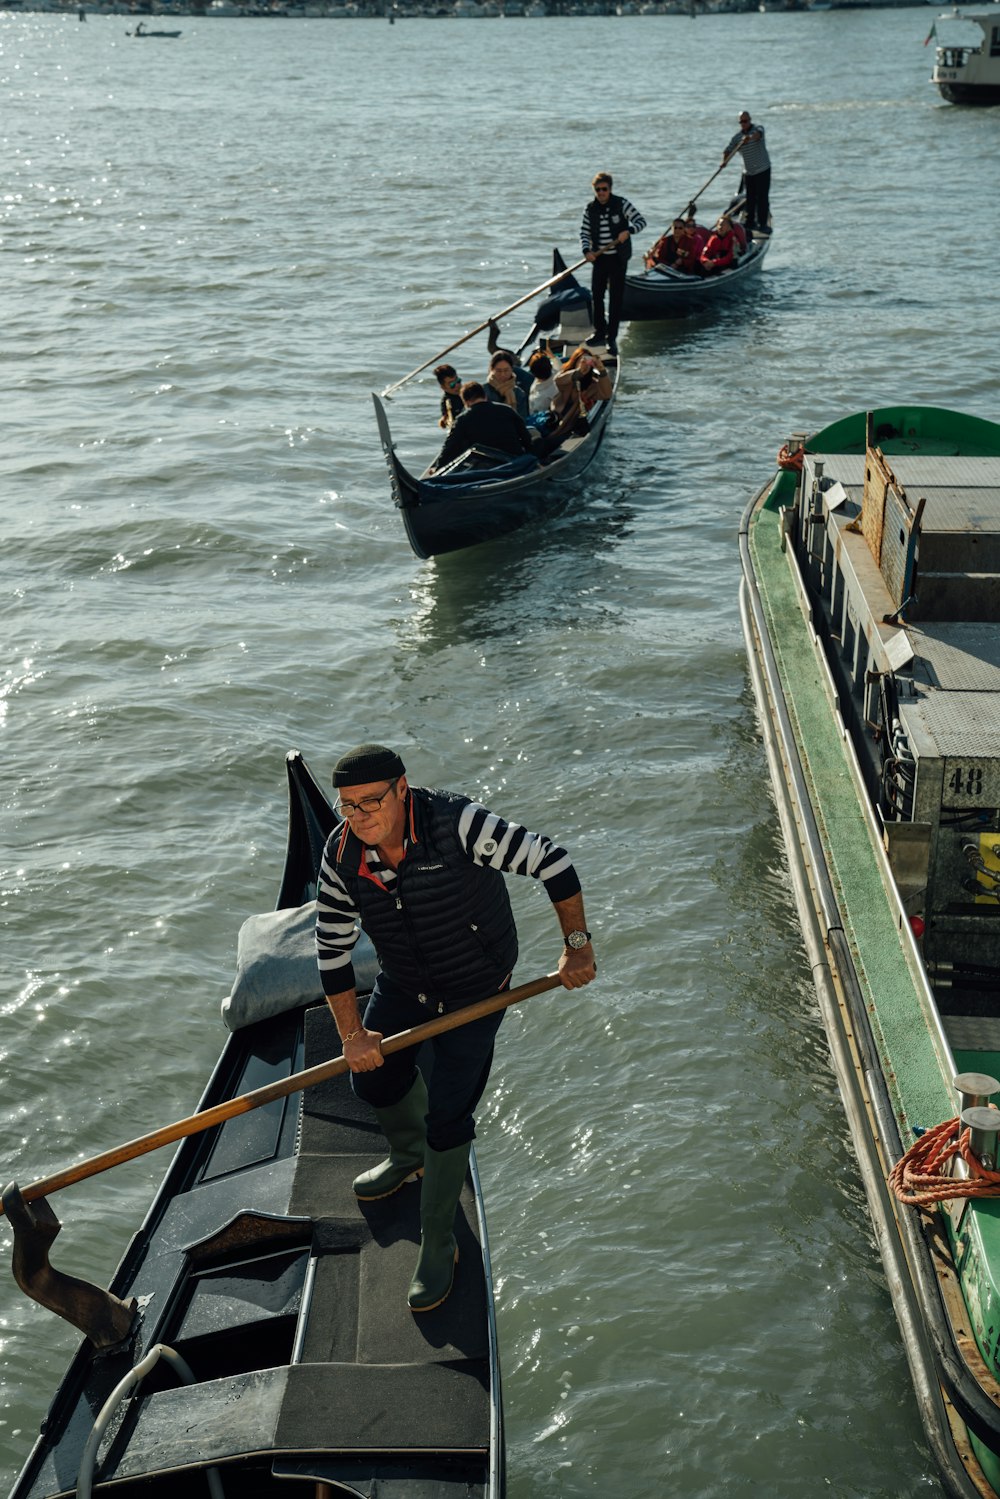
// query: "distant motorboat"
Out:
[140,30]
[967,63]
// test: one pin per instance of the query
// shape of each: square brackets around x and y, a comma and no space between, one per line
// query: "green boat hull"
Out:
[893,1045]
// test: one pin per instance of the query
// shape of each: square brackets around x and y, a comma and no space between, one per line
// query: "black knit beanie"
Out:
[366,763]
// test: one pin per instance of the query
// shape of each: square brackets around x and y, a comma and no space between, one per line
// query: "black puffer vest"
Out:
[618,221]
[447,929]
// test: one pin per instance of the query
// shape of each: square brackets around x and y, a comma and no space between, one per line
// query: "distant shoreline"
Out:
[404,10]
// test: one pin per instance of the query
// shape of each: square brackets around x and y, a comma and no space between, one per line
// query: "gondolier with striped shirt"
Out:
[749,142]
[609,221]
[422,873]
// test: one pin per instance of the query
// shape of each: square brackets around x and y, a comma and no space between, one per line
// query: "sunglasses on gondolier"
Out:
[366,804]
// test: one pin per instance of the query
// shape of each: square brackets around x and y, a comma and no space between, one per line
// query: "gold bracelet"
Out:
[350,1037]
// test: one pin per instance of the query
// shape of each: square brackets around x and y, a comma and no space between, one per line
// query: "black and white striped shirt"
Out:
[753,151]
[607,233]
[485,839]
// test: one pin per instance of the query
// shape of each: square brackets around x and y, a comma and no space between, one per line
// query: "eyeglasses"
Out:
[604,188]
[366,804]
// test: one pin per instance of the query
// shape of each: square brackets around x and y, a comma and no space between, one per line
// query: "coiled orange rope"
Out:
[918,1177]
[789,460]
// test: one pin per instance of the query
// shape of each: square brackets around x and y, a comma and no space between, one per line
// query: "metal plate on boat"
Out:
[957,656]
[946,472]
[960,732]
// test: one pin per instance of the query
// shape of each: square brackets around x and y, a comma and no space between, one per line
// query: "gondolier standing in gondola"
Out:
[421,872]
[609,221]
[749,141]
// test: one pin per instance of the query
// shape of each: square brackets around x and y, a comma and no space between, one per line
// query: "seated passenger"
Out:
[451,396]
[691,242]
[550,388]
[720,252]
[741,237]
[521,374]
[666,249]
[483,424]
[502,384]
[592,381]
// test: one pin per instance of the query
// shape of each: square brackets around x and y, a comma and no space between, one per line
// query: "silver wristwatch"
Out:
[576,939]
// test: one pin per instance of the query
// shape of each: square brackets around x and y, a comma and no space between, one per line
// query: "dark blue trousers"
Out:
[461,1062]
[608,274]
[758,191]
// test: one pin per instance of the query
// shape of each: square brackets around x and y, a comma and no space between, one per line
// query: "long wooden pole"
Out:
[494,319]
[195,1123]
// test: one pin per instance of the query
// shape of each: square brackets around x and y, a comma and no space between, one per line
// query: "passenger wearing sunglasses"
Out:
[451,395]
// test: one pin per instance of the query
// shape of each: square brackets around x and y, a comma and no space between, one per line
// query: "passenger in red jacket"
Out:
[691,244]
[667,247]
[720,252]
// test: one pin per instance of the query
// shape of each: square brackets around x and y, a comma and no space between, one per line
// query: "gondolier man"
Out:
[749,142]
[421,872]
[609,221]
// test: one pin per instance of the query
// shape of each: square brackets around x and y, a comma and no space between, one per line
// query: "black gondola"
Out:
[283,1300]
[478,498]
[665,292]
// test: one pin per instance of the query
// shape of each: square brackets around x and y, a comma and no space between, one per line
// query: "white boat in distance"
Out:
[967,62]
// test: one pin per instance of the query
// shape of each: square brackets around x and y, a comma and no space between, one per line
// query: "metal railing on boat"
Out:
[135,1376]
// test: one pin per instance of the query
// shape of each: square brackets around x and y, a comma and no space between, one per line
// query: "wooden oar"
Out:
[481,326]
[195,1123]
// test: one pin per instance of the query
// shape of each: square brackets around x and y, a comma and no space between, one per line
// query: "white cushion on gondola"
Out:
[276,967]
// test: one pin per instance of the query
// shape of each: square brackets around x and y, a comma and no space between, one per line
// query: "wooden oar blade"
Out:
[103,1317]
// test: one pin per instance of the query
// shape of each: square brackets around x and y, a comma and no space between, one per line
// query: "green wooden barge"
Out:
[870,602]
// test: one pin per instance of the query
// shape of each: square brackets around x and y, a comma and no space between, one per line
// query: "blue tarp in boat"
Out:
[442,485]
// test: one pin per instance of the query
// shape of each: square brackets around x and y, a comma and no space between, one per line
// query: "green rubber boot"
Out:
[404,1128]
[444,1173]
